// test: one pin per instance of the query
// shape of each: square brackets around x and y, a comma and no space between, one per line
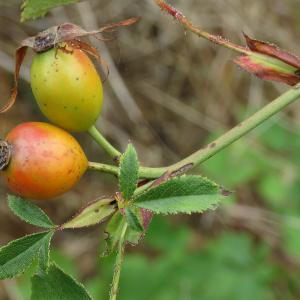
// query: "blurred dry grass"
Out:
[166,93]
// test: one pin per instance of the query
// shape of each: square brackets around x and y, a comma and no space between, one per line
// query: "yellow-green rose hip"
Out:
[67,88]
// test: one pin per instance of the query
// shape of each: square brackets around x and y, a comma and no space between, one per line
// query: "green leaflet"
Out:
[55,284]
[133,220]
[29,212]
[116,229]
[93,213]
[16,256]
[128,177]
[37,8]
[44,252]
[186,194]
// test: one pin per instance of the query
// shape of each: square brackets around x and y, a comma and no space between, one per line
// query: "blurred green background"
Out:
[171,94]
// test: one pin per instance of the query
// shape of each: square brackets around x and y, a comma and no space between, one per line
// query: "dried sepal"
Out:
[51,37]
[272,50]
[93,213]
[5,154]
[19,56]
[260,69]
[269,62]
[261,59]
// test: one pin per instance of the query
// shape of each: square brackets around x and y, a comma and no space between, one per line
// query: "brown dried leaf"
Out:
[19,56]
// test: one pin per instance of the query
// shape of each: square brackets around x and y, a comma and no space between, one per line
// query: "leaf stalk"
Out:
[117,270]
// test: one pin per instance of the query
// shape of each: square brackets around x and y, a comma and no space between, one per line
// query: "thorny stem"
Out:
[189,26]
[278,60]
[117,270]
[96,135]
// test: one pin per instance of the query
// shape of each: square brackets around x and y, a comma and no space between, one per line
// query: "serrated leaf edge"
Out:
[174,178]
[48,248]
[57,266]
[121,166]
[9,204]
[23,270]
[129,210]
[77,214]
[178,212]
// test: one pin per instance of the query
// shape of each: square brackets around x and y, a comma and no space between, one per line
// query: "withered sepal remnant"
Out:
[67,33]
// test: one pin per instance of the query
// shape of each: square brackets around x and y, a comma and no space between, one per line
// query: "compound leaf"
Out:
[128,173]
[17,256]
[186,194]
[55,284]
[29,212]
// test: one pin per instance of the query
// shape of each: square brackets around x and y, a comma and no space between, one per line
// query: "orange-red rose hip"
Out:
[45,161]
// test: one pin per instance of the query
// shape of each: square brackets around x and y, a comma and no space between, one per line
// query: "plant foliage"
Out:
[186,194]
[38,8]
[55,284]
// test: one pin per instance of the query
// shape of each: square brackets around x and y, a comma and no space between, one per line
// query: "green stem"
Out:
[117,271]
[225,140]
[142,189]
[241,129]
[145,173]
[96,135]
[92,166]
[214,147]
